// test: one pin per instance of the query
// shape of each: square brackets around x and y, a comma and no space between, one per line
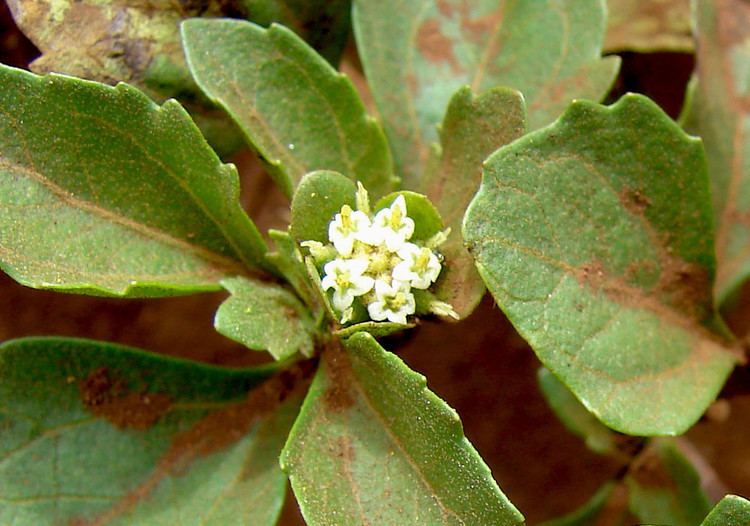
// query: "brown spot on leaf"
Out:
[435,46]
[480,29]
[591,274]
[338,397]
[215,432]
[634,201]
[446,8]
[110,399]
[343,448]
[733,21]
[685,286]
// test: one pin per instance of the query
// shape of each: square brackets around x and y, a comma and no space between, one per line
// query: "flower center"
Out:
[396,301]
[343,280]
[380,261]
[421,261]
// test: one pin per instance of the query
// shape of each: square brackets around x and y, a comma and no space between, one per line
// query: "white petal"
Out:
[399,202]
[408,251]
[376,312]
[411,305]
[356,267]
[407,227]
[328,283]
[382,289]
[342,300]
[394,240]
[343,244]
[333,268]
[403,272]
[361,285]
[371,235]
[360,220]
[396,317]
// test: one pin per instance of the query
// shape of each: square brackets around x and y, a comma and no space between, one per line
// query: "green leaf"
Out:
[730,511]
[473,128]
[104,192]
[319,196]
[265,317]
[373,446]
[378,329]
[98,432]
[721,116]
[299,113]
[427,220]
[324,24]
[607,506]
[657,26]
[417,54]
[595,237]
[576,418]
[665,488]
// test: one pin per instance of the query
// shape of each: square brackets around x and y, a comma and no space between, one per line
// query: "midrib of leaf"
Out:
[740,106]
[281,152]
[58,430]
[491,49]
[727,266]
[141,229]
[540,100]
[168,170]
[230,487]
[396,442]
[410,101]
[625,295]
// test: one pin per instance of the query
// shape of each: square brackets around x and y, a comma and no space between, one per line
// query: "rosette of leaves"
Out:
[104,192]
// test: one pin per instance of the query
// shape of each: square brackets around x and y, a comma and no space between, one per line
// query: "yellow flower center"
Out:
[342,280]
[421,261]
[396,302]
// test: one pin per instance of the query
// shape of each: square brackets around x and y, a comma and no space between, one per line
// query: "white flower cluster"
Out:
[375,261]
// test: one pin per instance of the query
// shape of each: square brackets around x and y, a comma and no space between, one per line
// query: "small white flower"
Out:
[393,302]
[420,266]
[392,226]
[345,277]
[346,227]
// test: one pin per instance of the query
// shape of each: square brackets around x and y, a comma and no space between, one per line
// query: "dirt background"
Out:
[480,366]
